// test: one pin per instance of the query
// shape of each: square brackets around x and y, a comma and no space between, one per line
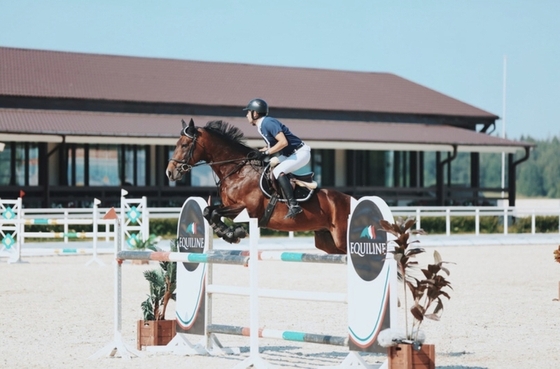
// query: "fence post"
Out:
[65,226]
[96,203]
[533,227]
[448,222]
[505,220]
[477,222]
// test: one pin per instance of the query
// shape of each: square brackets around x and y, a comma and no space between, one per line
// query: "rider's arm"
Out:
[280,144]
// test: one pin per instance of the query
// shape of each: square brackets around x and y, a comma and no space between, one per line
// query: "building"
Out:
[83,126]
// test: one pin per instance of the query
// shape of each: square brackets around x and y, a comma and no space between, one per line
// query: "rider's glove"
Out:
[262,155]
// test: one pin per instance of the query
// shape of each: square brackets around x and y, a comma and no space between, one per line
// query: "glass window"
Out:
[33,179]
[129,177]
[20,164]
[135,165]
[27,164]
[430,168]
[366,168]
[76,165]
[26,169]
[141,166]
[5,165]
[104,165]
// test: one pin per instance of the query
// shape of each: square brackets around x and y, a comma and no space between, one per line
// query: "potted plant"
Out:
[143,245]
[154,329]
[425,290]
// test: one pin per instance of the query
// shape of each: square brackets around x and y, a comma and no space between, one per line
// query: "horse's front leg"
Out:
[231,234]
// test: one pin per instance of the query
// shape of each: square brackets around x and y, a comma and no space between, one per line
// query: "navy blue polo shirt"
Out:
[269,129]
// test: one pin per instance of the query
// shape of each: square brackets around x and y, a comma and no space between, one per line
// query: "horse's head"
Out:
[186,153]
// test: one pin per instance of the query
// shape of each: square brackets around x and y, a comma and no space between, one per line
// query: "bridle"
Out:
[183,166]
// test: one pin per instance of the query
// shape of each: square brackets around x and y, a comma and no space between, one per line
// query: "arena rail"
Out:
[14,218]
[65,216]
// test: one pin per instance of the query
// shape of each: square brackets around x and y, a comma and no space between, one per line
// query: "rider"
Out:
[292,152]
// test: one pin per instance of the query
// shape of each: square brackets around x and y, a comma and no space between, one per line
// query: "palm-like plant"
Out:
[427,292]
[148,243]
[163,283]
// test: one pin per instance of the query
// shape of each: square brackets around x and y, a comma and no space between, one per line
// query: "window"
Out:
[104,165]
[366,168]
[5,165]
[76,165]
[135,165]
[19,164]
[108,165]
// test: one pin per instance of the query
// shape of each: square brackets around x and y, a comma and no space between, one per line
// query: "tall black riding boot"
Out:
[293,206]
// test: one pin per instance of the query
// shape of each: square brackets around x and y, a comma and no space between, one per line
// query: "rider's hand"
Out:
[263,156]
[259,155]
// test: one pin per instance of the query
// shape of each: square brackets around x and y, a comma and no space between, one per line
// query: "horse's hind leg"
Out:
[324,241]
[340,241]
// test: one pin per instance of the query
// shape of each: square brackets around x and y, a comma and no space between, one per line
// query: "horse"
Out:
[222,146]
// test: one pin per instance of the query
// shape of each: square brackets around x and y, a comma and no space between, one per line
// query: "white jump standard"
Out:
[370,297]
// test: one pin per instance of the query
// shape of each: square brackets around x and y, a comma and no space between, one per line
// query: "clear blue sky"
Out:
[456,47]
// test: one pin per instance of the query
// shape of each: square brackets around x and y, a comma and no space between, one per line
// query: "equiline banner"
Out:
[371,275]
[192,233]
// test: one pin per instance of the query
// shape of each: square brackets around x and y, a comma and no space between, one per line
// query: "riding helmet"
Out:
[258,105]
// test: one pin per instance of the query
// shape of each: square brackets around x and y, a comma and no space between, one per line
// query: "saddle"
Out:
[303,184]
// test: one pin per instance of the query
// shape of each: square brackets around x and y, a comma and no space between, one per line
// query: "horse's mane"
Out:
[227,131]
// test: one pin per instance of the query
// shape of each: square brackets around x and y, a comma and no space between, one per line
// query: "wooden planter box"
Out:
[155,332]
[405,357]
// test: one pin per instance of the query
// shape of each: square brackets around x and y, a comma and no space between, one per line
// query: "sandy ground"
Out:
[55,313]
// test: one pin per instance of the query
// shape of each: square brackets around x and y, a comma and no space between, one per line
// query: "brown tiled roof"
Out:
[37,73]
[146,128]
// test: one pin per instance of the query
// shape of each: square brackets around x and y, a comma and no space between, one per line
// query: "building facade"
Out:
[83,126]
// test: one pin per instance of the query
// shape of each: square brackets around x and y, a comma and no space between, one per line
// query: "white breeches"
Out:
[289,164]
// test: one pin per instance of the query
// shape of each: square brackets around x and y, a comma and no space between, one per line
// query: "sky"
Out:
[502,56]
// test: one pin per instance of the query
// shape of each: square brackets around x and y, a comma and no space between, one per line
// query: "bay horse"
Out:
[222,147]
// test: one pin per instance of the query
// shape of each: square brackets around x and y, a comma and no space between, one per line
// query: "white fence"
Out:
[69,216]
[14,218]
[505,213]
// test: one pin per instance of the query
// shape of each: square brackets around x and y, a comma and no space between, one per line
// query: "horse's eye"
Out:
[184,146]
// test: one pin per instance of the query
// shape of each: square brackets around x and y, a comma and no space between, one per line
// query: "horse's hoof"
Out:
[230,239]
[240,232]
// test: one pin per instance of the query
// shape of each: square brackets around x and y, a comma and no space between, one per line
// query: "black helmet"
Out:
[258,105]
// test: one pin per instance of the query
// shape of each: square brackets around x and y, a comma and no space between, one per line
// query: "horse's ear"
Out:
[190,130]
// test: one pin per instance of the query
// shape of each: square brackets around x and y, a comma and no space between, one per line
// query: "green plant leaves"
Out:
[427,292]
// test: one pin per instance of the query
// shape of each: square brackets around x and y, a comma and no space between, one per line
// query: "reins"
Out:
[184,167]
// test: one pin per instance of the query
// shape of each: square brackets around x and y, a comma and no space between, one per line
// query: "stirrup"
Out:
[293,210]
